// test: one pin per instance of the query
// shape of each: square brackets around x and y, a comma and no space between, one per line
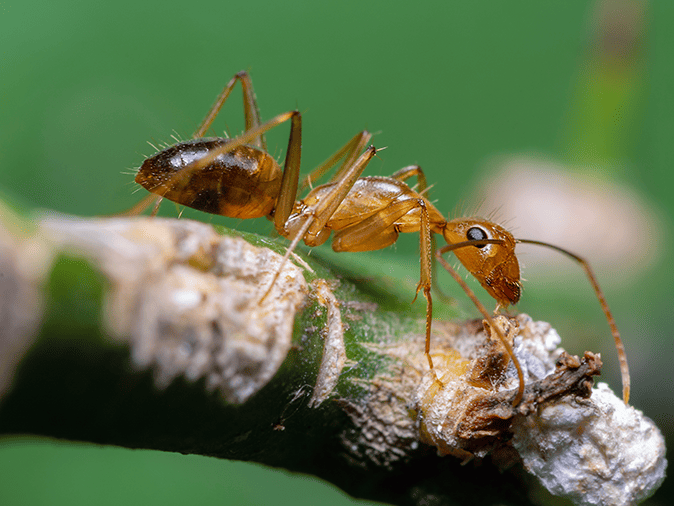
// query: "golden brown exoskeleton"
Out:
[238,178]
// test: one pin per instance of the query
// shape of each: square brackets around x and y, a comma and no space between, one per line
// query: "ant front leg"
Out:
[481,308]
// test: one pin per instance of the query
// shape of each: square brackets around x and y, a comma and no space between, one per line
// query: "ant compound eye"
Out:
[477,234]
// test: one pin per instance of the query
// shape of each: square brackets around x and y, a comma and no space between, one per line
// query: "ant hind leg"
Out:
[251,112]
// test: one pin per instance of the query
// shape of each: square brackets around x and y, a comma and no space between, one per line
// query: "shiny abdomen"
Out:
[243,183]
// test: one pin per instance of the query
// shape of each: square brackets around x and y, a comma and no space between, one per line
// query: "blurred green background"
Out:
[468,90]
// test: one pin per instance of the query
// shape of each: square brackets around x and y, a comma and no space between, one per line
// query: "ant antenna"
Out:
[622,356]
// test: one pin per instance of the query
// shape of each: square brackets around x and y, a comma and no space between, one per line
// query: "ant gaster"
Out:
[238,178]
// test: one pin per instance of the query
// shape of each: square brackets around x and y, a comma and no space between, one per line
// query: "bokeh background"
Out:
[557,118]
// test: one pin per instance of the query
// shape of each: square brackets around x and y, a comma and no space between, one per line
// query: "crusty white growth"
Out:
[596,451]
[187,299]
[334,352]
[536,347]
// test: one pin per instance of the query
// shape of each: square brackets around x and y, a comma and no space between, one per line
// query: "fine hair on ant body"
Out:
[237,177]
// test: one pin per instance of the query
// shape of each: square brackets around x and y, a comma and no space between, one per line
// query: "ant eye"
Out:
[477,234]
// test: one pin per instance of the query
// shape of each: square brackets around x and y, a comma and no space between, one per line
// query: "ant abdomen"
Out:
[242,183]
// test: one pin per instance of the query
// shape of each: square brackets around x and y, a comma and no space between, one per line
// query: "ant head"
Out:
[494,265]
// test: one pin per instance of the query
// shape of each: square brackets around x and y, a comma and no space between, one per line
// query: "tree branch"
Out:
[150,333]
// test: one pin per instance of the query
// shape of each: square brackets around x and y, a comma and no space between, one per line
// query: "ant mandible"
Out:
[236,177]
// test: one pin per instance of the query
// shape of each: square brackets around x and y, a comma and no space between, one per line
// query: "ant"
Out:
[236,177]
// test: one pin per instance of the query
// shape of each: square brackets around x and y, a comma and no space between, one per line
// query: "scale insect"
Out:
[237,177]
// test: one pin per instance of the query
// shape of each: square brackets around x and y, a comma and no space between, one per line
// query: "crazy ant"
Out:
[238,178]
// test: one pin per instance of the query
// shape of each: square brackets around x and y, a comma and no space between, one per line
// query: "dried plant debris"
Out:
[334,351]
[188,299]
[573,438]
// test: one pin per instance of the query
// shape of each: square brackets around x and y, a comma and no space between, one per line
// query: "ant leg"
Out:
[251,112]
[307,219]
[622,356]
[434,275]
[142,206]
[481,308]
[422,188]
[379,231]
[291,175]
[410,171]
[291,170]
[349,151]
[155,209]
[327,206]
[312,220]
[425,244]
